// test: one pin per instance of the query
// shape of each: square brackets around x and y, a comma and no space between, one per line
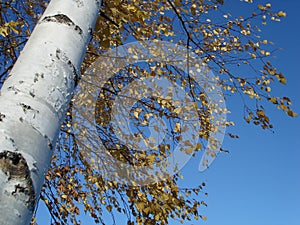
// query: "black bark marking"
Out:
[50,145]
[27,108]
[14,165]
[79,3]
[37,76]
[63,19]
[32,94]
[2,116]
[90,31]
[13,88]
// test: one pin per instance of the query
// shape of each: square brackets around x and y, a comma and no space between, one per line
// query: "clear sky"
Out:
[258,183]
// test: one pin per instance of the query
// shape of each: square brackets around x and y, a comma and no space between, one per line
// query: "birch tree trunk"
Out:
[34,100]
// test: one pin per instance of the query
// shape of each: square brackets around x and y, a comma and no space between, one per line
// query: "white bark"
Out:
[33,102]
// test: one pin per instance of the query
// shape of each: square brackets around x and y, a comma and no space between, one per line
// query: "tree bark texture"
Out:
[33,102]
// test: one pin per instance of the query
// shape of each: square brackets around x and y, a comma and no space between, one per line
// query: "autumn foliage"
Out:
[229,45]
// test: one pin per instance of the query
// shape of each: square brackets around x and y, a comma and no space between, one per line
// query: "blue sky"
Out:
[258,183]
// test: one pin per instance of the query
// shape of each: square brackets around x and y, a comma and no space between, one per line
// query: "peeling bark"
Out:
[15,167]
[61,18]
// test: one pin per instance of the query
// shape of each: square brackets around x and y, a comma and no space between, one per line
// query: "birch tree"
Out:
[34,100]
[229,45]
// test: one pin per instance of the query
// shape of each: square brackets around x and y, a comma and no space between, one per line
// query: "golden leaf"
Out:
[177,128]
[64,196]
[204,217]
[273,100]
[291,113]
[109,208]
[281,14]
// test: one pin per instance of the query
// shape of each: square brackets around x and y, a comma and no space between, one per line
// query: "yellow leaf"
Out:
[273,100]
[204,217]
[248,119]
[157,216]
[4,31]
[177,3]
[64,196]
[177,127]
[151,158]
[281,14]
[136,114]
[178,110]
[12,25]
[261,7]
[291,113]
[198,146]
[188,143]
[109,208]
[260,113]
[282,80]
[140,206]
